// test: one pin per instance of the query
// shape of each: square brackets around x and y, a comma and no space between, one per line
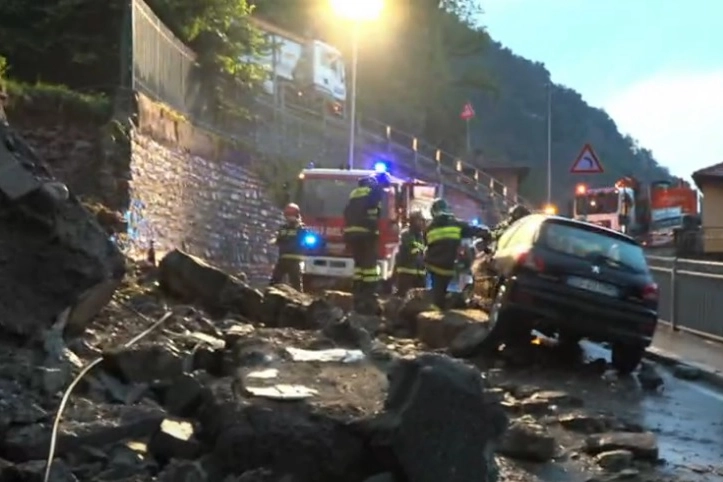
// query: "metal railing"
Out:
[166,70]
[691,294]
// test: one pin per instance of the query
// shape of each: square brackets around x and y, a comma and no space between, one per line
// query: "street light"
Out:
[357,11]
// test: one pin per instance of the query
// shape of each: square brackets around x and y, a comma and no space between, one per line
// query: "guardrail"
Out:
[691,294]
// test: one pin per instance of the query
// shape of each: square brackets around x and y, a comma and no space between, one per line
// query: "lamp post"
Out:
[549,142]
[356,11]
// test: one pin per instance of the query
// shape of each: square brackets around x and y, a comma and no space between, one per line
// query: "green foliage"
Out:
[220,32]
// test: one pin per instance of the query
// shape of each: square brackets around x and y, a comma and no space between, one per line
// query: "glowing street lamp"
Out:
[357,11]
[549,209]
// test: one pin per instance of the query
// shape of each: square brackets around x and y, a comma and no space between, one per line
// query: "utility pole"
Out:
[354,67]
[549,143]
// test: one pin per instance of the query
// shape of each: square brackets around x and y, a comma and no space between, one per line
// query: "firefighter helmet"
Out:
[292,210]
[439,206]
[383,179]
[518,212]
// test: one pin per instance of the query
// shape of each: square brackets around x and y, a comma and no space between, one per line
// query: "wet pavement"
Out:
[688,348]
[686,416]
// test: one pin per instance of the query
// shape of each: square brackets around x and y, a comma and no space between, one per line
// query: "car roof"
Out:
[543,218]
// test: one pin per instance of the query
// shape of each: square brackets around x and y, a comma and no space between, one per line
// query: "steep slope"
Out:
[511,128]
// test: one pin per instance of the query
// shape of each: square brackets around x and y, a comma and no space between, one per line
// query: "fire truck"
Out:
[648,212]
[322,195]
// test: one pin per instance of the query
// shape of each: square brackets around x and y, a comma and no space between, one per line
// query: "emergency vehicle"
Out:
[649,212]
[322,195]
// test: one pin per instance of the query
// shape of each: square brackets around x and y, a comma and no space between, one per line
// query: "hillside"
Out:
[417,66]
[512,128]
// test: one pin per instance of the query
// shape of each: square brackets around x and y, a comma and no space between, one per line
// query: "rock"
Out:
[468,341]
[384,477]
[557,398]
[174,440]
[53,253]
[649,377]
[183,471]
[34,470]
[350,331]
[340,299]
[145,363]
[585,422]
[184,395]
[687,372]
[283,306]
[321,313]
[614,460]
[126,461]
[527,440]
[30,442]
[437,421]
[438,329]
[194,281]
[643,445]
[417,301]
[287,440]
[237,332]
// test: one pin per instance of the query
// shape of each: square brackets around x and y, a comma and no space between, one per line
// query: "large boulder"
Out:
[454,329]
[438,423]
[283,306]
[53,254]
[194,281]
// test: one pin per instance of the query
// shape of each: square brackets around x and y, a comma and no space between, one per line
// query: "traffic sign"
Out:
[587,162]
[467,111]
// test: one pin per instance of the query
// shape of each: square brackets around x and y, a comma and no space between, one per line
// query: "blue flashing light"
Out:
[381,166]
[310,240]
[475,222]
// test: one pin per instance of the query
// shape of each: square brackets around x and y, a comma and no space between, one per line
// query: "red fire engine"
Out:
[322,196]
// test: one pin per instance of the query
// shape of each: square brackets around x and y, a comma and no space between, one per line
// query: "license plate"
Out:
[592,285]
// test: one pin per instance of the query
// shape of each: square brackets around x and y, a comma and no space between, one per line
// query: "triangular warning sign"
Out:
[587,162]
[467,111]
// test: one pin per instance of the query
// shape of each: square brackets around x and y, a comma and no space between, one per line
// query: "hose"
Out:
[85,371]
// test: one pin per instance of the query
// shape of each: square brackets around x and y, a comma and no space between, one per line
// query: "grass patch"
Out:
[48,98]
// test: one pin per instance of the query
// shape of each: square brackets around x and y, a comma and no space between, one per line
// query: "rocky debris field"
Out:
[230,383]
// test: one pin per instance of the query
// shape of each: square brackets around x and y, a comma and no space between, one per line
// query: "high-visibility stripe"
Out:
[355,229]
[414,271]
[359,192]
[292,256]
[440,271]
[447,232]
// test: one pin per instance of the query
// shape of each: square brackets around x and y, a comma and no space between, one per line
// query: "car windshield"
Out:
[596,203]
[322,197]
[594,245]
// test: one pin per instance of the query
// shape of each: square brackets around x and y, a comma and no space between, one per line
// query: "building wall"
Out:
[712,218]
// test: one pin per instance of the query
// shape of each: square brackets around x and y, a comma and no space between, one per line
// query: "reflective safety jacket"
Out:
[289,238]
[444,235]
[361,215]
[410,259]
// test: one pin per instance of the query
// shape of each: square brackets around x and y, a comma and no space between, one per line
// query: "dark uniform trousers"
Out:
[410,280]
[364,253]
[288,266]
[290,257]
[440,284]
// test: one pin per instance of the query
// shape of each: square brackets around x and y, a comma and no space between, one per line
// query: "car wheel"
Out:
[626,358]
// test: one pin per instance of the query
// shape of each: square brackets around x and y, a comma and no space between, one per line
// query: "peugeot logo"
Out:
[596,269]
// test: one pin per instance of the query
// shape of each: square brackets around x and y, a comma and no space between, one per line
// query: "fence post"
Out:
[673,294]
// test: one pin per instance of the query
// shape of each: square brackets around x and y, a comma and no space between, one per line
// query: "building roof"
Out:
[710,173]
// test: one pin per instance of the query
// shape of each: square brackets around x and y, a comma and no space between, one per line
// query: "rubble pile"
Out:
[201,377]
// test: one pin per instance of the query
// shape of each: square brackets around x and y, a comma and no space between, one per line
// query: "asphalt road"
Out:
[686,416]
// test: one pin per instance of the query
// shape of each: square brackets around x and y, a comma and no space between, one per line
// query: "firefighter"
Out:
[288,239]
[444,236]
[361,235]
[409,266]
[515,213]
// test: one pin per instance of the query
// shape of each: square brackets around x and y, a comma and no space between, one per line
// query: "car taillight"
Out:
[650,292]
[528,260]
